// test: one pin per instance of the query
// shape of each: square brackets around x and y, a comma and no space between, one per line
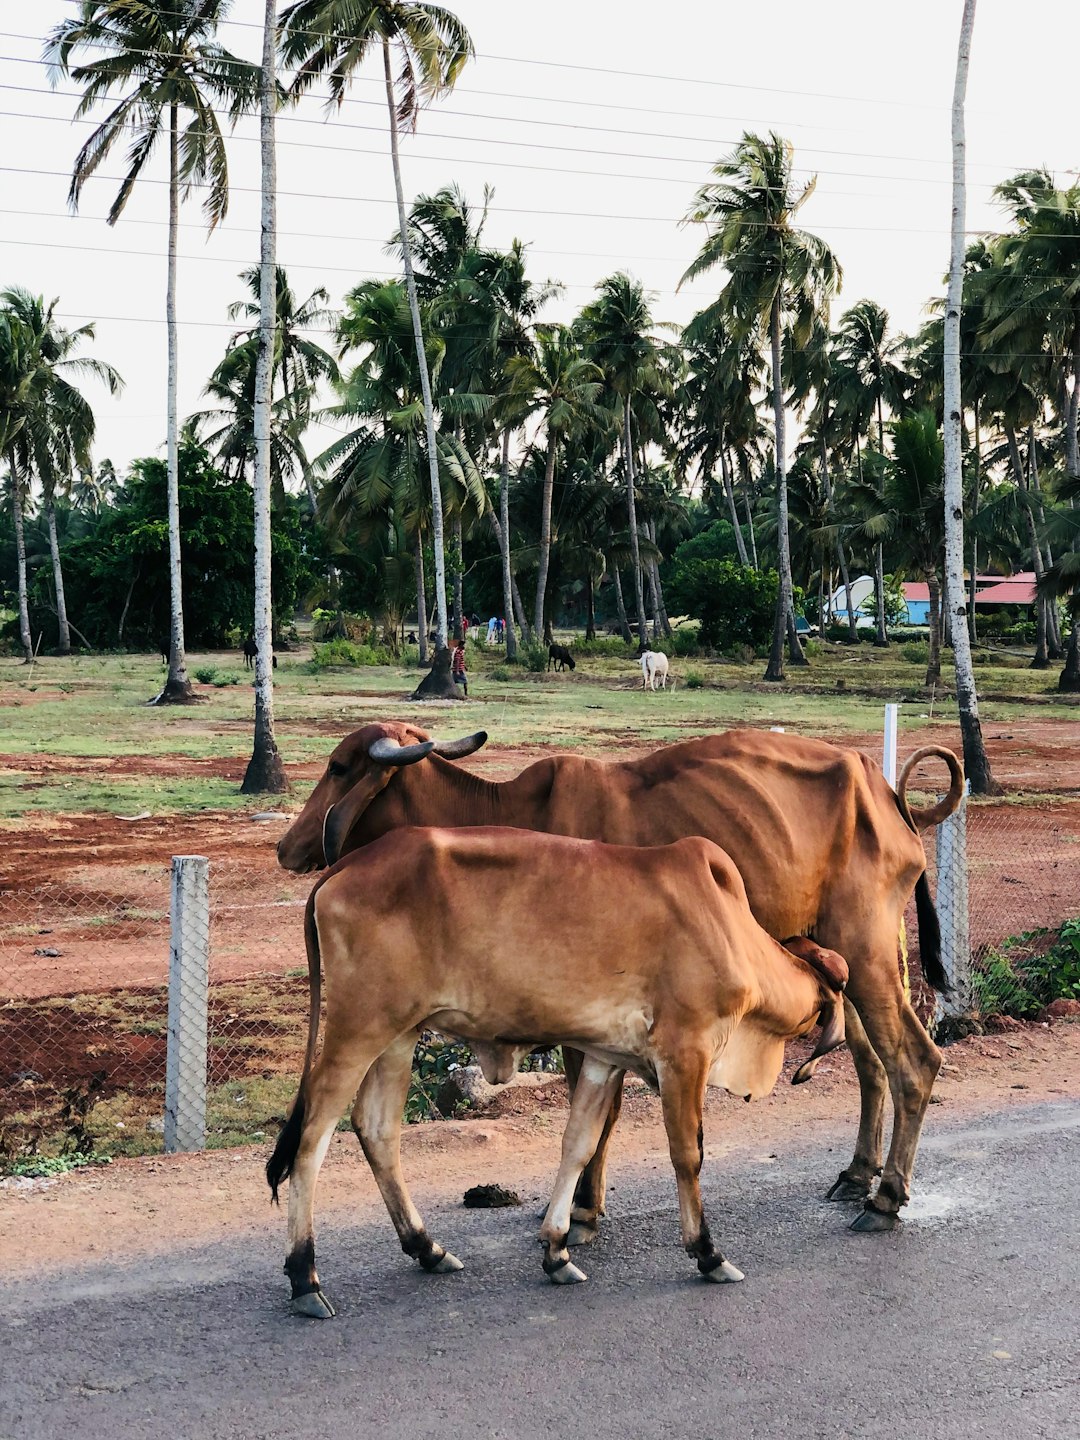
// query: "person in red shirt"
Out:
[457,666]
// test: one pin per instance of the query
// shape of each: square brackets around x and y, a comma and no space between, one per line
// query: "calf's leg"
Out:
[682,1098]
[330,1086]
[593,1094]
[592,1187]
[376,1119]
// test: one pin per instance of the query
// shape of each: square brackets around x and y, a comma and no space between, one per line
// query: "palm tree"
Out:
[777,275]
[907,509]
[265,773]
[563,385]
[619,335]
[17,366]
[870,354]
[174,73]
[58,432]
[331,39]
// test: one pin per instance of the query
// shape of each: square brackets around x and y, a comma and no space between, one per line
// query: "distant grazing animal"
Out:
[654,667]
[560,657]
[825,846]
[164,647]
[437,928]
[410,639]
[251,654]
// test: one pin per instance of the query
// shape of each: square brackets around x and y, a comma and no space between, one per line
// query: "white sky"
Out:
[863,89]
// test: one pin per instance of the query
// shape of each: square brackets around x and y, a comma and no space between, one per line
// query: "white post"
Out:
[777,729]
[952,906]
[888,758]
[189,970]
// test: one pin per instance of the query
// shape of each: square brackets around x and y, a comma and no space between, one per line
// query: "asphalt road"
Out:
[963,1324]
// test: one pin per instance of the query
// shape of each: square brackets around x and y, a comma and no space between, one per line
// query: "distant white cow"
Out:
[654,667]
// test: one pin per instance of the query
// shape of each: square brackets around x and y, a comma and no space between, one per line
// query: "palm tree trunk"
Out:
[745,469]
[1053,632]
[459,578]
[58,580]
[437,541]
[178,689]
[631,514]
[545,536]
[519,611]
[729,492]
[590,606]
[784,605]
[265,773]
[933,667]
[1041,659]
[421,599]
[976,761]
[20,565]
[504,546]
[624,623]
[841,555]
[881,634]
[127,606]
[1069,679]
[973,629]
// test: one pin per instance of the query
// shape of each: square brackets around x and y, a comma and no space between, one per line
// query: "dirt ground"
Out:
[143,1207]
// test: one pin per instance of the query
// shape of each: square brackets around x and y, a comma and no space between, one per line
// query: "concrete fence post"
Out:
[888,757]
[952,905]
[189,971]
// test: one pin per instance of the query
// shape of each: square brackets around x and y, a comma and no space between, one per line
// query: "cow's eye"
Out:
[336,769]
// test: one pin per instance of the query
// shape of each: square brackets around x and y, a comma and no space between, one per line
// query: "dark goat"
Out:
[251,654]
[560,657]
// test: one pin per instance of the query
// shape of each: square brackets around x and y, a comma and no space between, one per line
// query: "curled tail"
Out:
[922,818]
[279,1166]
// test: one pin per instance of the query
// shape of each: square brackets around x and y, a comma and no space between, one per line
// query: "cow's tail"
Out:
[280,1165]
[922,818]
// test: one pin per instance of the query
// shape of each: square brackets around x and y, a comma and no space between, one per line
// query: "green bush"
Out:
[917,651]
[432,1063]
[1024,974]
[205,674]
[534,657]
[501,672]
[734,603]
[221,681]
[338,653]
[839,633]
[686,640]
[694,680]
[613,646]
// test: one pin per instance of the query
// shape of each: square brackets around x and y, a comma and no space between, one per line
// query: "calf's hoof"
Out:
[847,1189]
[445,1265]
[567,1274]
[581,1233]
[723,1274]
[313,1306]
[873,1220]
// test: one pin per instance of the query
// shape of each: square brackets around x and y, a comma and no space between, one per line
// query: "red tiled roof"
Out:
[1020,590]
[916,590]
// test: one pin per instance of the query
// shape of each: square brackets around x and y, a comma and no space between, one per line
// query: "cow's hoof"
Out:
[848,1190]
[446,1265]
[313,1306]
[581,1233]
[568,1274]
[873,1220]
[724,1274]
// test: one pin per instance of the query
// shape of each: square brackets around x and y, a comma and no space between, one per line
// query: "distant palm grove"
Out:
[603,473]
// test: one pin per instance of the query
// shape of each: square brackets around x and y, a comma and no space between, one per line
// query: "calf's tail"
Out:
[280,1165]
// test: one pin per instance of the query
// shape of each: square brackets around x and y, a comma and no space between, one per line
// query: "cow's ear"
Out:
[340,819]
[832,1034]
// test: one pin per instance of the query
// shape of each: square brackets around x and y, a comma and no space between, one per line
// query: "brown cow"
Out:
[651,962]
[824,845]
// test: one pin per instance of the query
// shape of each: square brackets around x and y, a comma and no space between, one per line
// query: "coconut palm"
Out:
[777,276]
[16,372]
[562,385]
[619,335]
[174,74]
[55,440]
[871,356]
[331,39]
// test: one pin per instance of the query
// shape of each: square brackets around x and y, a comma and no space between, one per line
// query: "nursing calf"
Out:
[652,963]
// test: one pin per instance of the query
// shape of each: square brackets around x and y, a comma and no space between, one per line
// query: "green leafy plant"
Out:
[206,674]
[694,680]
[339,653]
[734,603]
[432,1063]
[916,651]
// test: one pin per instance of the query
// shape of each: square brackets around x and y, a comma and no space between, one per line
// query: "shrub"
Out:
[338,625]
[1026,973]
[916,651]
[337,654]
[605,645]
[205,674]
[501,672]
[220,681]
[534,657]
[694,680]
[432,1063]
[839,633]
[734,604]
[685,641]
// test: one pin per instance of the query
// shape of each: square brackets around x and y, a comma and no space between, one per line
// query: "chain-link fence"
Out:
[95,1058]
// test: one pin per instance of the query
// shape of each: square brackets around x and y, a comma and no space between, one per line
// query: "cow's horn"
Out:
[386,751]
[458,749]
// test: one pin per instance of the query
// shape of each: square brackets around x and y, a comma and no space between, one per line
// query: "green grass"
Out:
[94,708]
